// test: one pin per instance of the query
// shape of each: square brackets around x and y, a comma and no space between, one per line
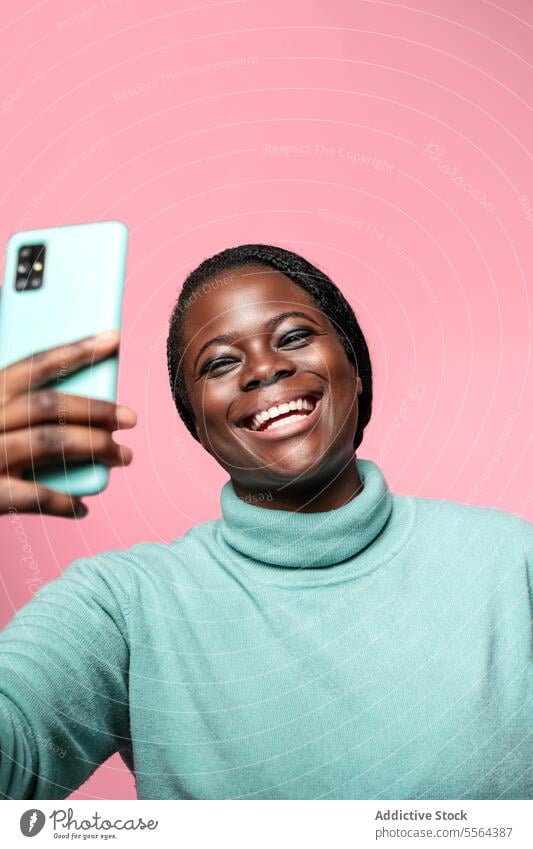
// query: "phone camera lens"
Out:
[35,282]
[23,268]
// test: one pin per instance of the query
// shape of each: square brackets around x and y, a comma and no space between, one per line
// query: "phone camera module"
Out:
[30,267]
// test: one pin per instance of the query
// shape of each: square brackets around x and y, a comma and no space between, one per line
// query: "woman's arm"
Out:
[64,656]
[64,662]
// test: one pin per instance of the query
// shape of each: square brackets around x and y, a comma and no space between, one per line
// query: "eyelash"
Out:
[300,333]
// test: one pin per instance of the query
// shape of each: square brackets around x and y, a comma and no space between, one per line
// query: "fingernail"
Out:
[81,511]
[126,453]
[126,415]
[106,336]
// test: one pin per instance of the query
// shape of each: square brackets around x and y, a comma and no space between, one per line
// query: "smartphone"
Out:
[61,284]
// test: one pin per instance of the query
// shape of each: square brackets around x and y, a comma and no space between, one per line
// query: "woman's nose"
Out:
[264,369]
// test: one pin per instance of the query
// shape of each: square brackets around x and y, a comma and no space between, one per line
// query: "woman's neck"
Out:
[306,495]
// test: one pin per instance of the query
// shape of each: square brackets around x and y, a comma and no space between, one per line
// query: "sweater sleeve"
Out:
[64,660]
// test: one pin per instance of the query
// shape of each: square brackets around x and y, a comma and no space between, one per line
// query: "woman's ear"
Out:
[358,381]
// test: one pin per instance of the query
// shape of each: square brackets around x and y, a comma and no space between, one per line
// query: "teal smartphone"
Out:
[61,284]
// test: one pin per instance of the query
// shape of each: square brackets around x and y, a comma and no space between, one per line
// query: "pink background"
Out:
[410,184]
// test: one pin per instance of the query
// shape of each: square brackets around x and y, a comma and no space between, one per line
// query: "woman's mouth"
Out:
[286,419]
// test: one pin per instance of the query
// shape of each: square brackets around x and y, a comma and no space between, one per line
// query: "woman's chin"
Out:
[280,461]
[294,470]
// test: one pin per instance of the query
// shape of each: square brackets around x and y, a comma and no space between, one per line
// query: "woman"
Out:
[323,638]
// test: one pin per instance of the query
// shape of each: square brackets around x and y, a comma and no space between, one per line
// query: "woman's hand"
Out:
[29,425]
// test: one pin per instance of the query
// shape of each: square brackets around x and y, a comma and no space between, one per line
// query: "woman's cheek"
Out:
[343,388]
[217,400]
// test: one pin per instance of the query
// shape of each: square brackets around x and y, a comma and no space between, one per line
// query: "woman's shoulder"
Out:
[146,556]
[493,525]
[117,575]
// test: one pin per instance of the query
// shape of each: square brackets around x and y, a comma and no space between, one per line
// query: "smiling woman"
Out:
[272,374]
[322,638]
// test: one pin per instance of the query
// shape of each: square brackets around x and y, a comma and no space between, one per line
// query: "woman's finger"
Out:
[17,496]
[55,363]
[21,449]
[48,405]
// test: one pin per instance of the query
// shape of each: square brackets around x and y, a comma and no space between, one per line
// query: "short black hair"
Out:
[311,279]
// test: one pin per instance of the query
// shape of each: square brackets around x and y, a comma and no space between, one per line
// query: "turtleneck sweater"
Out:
[380,650]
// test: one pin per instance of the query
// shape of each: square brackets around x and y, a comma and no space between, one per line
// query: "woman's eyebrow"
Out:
[270,324]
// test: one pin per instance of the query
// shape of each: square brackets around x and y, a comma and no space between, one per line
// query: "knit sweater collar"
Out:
[303,540]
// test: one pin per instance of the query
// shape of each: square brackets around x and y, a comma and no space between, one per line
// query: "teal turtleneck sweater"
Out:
[381,650]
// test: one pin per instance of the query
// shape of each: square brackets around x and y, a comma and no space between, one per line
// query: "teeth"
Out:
[283,422]
[282,409]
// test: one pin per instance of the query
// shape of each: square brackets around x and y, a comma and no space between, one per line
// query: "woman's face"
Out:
[254,340]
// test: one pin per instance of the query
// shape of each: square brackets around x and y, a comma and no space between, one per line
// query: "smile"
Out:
[285,419]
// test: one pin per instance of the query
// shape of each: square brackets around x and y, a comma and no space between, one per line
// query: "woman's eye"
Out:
[296,336]
[214,365]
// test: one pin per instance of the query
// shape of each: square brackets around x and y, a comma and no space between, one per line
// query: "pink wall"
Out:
[405,173]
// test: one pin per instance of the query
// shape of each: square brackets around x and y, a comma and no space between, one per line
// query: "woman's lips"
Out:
[292,428]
